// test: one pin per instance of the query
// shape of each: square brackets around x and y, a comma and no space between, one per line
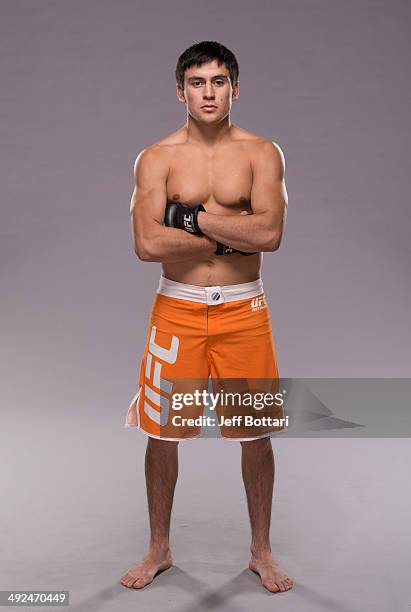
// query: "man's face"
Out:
[204,85]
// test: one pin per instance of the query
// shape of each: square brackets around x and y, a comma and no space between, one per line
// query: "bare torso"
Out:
[220,177]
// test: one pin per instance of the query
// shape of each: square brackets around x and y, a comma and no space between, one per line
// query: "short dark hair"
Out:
[203,53]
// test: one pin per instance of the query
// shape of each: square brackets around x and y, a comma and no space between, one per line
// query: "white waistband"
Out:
[216,294]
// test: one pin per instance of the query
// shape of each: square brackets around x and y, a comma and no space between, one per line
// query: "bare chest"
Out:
[222,178]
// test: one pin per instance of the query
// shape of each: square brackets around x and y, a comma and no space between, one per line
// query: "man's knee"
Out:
[157,443]
[257,445]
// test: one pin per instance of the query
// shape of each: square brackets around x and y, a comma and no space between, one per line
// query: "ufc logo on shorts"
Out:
[258,303]
[153,375]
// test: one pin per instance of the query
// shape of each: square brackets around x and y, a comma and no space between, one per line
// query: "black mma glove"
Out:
[183,217]
[244,253]
[222,249]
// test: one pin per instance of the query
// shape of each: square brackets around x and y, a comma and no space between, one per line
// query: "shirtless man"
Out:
[239,178]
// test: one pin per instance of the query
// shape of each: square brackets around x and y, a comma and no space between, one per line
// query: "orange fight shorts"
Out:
[196,333]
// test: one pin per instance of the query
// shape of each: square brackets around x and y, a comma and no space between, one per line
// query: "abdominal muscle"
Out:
[214,270]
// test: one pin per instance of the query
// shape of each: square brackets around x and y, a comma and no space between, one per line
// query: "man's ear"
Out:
[180,93]
[236,90]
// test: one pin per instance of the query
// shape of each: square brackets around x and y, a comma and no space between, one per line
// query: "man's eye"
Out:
[220,81]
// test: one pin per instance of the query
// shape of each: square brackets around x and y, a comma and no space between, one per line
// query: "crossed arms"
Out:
[260,231]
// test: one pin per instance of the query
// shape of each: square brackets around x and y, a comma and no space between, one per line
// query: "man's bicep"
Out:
[149,198]
[268,192]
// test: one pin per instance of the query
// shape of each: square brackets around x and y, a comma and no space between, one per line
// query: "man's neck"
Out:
[208,134]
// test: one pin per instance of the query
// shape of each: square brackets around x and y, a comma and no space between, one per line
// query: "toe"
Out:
[125,580]
[137,584]
[141,582]
[272,586]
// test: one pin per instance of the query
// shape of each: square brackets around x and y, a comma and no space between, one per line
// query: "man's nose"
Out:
[208,91]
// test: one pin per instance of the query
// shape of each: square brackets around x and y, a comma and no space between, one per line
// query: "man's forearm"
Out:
[243,232]
[170,244]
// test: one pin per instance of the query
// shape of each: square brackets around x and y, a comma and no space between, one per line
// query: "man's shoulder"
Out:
[160,150]
[241,134]
[257,142]
[175,138]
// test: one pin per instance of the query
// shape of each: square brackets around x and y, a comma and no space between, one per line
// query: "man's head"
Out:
[207,72]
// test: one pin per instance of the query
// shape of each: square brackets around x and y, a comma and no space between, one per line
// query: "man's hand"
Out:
[222,249]
[183,217]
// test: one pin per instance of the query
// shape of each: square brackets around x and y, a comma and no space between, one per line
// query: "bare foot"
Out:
[272,577]
[142,574]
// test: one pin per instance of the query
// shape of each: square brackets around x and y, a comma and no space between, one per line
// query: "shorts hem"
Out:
[160,437]
[264,435]
[199,437]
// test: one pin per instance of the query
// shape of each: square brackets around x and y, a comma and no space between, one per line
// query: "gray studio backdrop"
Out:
[84,87]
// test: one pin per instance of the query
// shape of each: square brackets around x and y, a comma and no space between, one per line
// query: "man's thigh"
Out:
[243,366]
[174,363]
